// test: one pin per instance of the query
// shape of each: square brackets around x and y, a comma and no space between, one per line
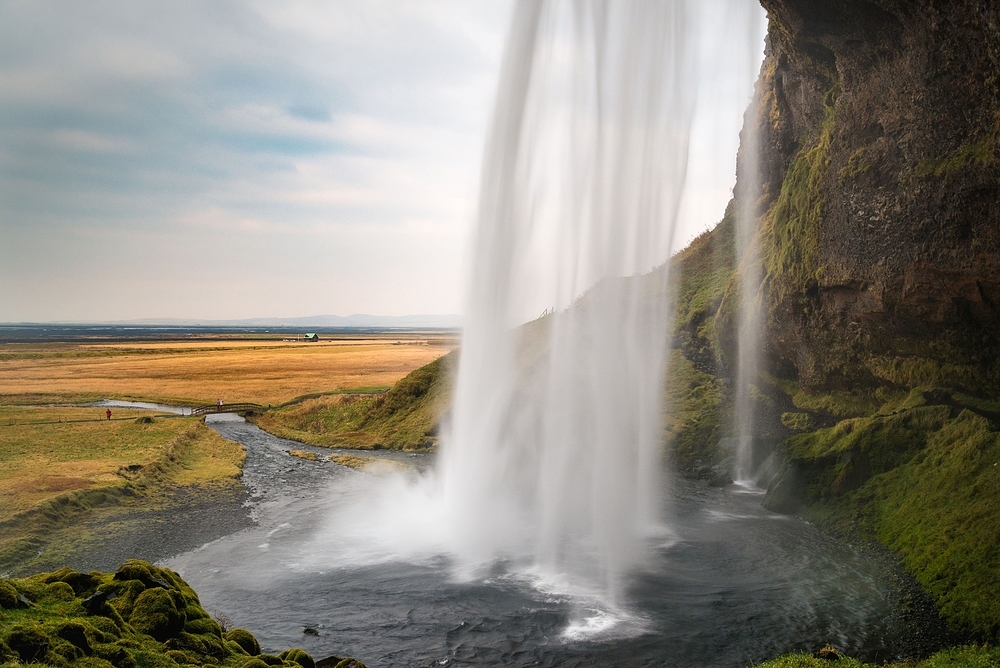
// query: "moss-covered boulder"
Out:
[9,597]
[29,640]
[298,656]
[155,613]
[254,662]
[244,639]
[77,620]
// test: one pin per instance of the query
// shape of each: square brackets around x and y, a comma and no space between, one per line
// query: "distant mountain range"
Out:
[358,320]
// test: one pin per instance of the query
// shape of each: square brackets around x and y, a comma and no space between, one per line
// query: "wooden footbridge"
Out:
[225,408]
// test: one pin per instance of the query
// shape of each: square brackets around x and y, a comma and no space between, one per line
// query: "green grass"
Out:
[924,483]
[697,416]
[969,656]
[405,417]
[703,273]
[148,618]
[53,473]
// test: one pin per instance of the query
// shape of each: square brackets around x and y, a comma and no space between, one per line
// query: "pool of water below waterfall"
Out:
[735,585]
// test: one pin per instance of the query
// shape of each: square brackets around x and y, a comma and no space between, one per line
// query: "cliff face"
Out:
[878,230]
[880,134]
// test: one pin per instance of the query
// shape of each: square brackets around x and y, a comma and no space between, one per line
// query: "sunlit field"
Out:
[204,370]
[46,452]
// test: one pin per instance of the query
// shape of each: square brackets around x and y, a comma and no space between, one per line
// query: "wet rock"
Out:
[784,494]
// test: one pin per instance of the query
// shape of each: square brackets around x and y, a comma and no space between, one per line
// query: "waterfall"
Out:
[551,461]
[748,260]
[556,436]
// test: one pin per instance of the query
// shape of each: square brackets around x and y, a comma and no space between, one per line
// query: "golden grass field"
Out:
[41,458]
[204,370]
[59,463]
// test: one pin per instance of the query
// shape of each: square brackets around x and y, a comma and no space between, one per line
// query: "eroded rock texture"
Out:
[880,132]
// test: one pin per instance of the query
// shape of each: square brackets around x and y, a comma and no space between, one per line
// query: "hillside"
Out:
[406,417]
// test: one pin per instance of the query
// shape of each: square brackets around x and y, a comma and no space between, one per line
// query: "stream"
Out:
[735,584]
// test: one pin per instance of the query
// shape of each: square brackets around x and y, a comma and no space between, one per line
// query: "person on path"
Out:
[108,412]
[218,404]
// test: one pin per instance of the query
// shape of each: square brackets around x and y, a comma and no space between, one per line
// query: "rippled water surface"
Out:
[735,584]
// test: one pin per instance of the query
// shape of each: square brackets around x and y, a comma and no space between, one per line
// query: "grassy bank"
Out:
[54,469]
[406,417]
[969,656]
[922,477]
[139,617]
[201,371]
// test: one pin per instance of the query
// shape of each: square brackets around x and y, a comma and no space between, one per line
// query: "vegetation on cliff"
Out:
[406,417]
[141,616]
[922,477]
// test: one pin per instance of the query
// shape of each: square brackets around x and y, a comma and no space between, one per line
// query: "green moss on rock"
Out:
[29,641]
[155,613]
[244,639]
[790,244]
[167,626]
[922,479]
[9,597]
[298,656]
[969,656]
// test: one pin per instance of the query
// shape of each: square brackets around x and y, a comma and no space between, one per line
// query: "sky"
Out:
[221,159]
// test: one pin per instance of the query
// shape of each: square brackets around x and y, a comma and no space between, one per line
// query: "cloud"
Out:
[321,156]
[126,124]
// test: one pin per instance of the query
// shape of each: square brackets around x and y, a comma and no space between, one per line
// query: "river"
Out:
[734,584]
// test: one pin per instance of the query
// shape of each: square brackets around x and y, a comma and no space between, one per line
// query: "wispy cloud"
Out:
[188,133]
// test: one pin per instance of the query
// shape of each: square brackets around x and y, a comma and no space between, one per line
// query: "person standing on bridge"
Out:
[218,405]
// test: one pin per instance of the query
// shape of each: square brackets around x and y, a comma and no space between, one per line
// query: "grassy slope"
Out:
[405,417]
[698,409]
[51,474]
[151,619]
[925,482]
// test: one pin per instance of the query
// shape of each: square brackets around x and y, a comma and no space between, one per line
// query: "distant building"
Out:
[312,337]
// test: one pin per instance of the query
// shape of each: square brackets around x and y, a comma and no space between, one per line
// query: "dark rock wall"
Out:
[879,127]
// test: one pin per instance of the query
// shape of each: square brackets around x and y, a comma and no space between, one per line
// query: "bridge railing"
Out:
[225,408]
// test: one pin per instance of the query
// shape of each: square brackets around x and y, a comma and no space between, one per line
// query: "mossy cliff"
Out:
[878,234]
[139,617]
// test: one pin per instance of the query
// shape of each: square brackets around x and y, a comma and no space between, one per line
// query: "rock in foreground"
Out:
[141,616]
